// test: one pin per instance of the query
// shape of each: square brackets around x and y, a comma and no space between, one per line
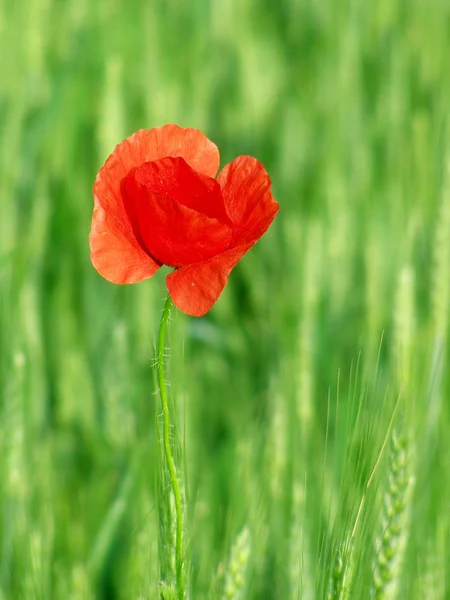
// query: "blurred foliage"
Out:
[287,388]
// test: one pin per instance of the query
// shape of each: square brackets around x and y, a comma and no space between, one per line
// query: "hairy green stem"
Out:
[174,482]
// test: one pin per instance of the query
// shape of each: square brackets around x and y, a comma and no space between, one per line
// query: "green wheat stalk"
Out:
[236,573]
[339,588]
[394,526]
[173,564]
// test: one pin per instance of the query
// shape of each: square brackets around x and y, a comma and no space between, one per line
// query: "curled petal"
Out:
[148,145]
[174,178]
[172,233]
[246,190]
[115,252]
[195,288]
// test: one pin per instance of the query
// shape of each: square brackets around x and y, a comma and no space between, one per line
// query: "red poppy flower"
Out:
[157,203]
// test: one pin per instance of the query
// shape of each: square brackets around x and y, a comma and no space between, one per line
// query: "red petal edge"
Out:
[195,288]
[115,255]
[115,252]
[246,190]
[247,194]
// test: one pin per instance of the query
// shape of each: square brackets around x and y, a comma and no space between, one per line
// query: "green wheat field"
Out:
[313,400]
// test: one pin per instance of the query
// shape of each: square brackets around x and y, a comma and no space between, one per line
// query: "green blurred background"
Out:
[287,389]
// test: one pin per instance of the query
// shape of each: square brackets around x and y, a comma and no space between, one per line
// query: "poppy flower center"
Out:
[177,214]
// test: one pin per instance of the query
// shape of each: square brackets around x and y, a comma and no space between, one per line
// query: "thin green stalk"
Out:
[175,484]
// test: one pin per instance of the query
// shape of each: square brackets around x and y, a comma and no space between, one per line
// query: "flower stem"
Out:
[174,481]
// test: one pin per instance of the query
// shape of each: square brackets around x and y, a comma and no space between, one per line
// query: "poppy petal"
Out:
[195,288]
[148,145]
[115,252]
[172,233]
[171,140]
[246,190]
[174,178]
